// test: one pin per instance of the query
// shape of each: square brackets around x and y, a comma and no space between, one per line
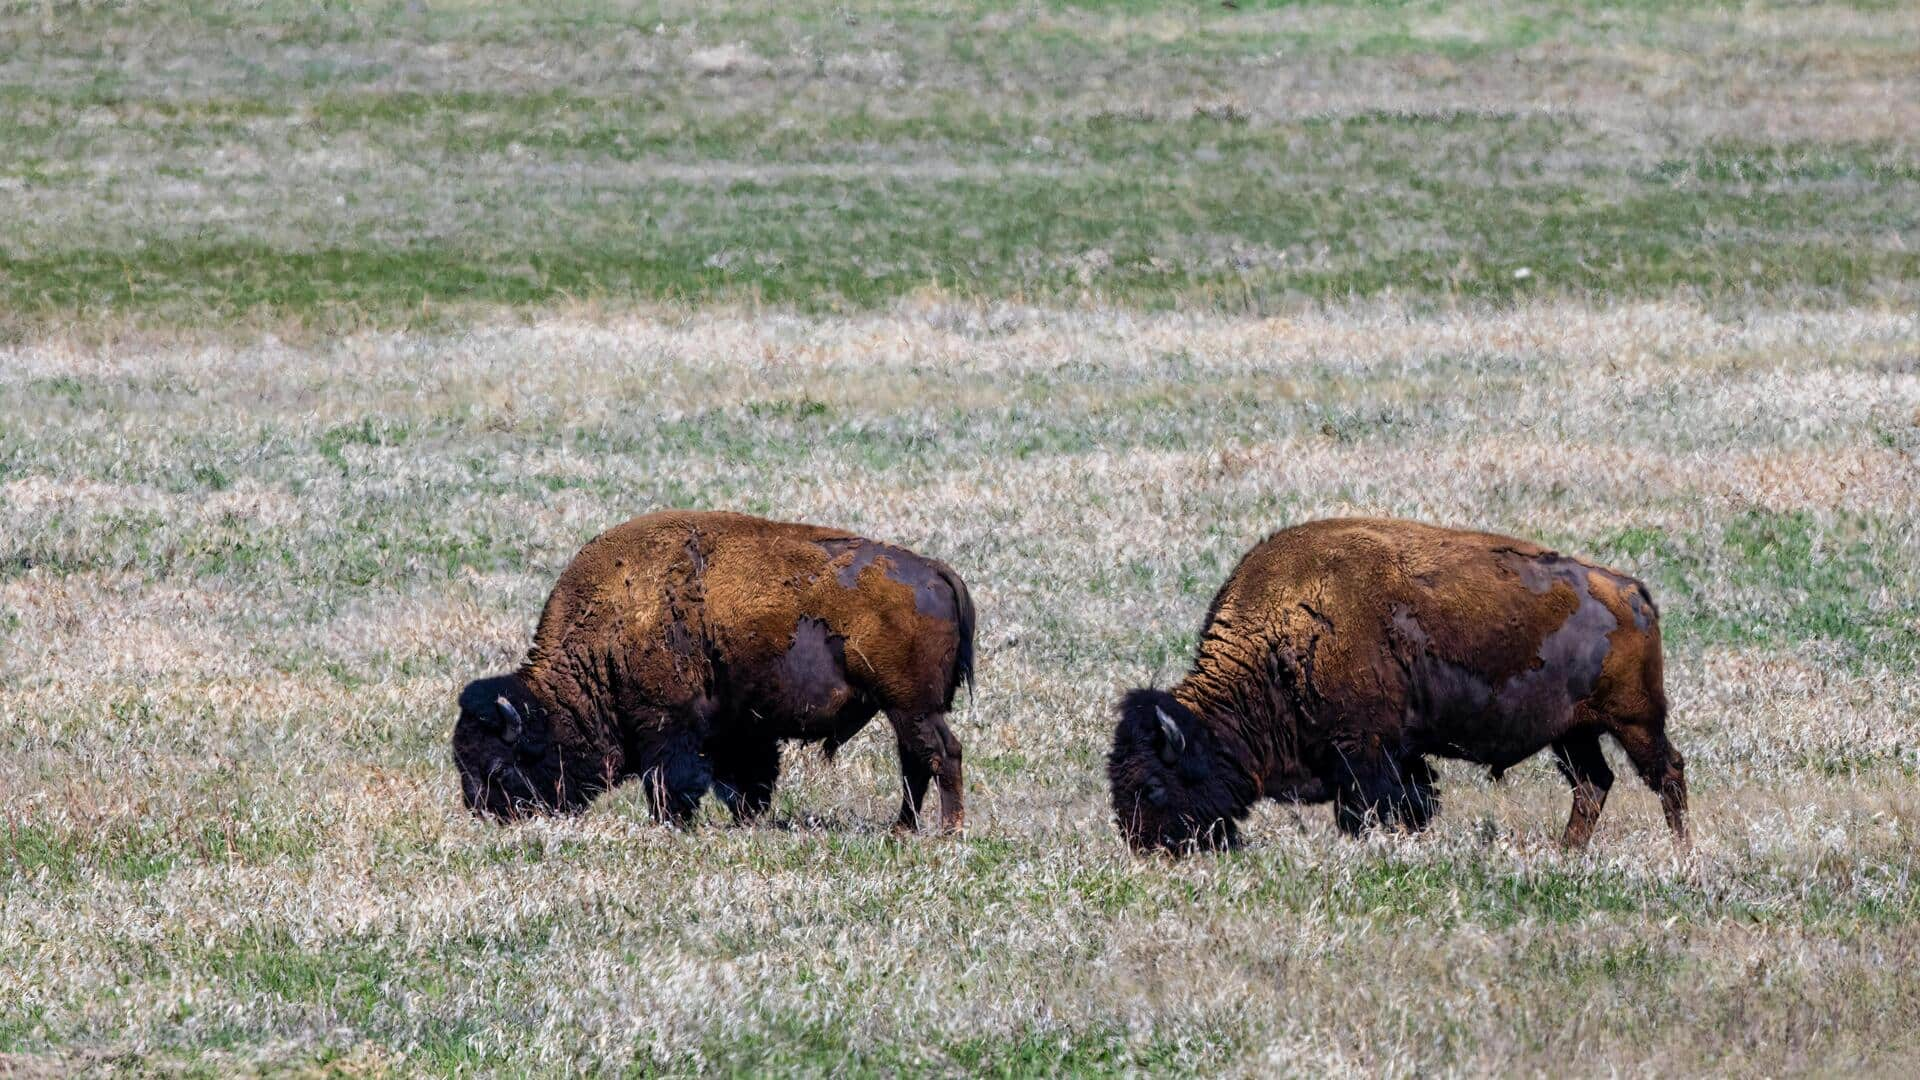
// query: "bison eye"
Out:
[1156,793]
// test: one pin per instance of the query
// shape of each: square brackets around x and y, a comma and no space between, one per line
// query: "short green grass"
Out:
[265,164]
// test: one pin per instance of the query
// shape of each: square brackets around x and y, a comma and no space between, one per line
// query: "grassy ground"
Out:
[377,162]
[327,335]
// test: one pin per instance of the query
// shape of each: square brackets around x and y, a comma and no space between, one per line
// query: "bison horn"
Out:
[512,714]
[1171,730]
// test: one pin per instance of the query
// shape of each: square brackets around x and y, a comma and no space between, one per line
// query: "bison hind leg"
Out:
[1585,767]
[1663,769]
[928,751]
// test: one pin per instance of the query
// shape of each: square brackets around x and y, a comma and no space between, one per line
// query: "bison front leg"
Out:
[1421,798]
[1584,765]
[675,775]
[928,750]
[744,776]
[1371,787]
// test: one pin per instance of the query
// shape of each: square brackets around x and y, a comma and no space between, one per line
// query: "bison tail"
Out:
[963,612]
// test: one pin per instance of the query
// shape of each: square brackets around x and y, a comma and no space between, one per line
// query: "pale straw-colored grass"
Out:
[232,833]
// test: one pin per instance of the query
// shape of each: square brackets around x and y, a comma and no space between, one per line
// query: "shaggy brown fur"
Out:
[1341,653]
[684,647]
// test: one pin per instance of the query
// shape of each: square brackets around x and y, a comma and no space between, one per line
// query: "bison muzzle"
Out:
[683,648]
[1342,654]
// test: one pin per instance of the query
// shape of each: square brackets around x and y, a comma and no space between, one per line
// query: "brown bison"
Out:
[683,648]
[1341,654]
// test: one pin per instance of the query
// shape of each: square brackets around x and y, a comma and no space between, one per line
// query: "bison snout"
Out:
[1183,837]
[497,787]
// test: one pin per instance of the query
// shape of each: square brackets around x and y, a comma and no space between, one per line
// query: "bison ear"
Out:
[1173,742]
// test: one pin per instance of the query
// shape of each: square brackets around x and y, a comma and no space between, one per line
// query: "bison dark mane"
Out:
[1173,780]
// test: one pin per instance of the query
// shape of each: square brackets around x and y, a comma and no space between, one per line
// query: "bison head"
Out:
[1173,788]
[510,763]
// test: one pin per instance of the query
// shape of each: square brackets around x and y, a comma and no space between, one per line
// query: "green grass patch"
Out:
[797,184]
[1783,580]
[796,1045]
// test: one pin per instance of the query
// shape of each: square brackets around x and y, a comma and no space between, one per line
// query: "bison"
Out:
[683,648]
[1341,654]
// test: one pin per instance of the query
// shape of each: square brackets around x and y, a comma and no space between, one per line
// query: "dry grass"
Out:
[241,579]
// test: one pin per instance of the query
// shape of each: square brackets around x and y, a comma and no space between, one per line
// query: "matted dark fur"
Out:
[1341,654]
[683,648]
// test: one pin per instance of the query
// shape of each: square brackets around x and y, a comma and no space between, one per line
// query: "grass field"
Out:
[329,332]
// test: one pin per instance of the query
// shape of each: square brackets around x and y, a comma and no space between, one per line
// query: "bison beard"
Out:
[1173,787]
[510,759]
[1341,654]
[682,649]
